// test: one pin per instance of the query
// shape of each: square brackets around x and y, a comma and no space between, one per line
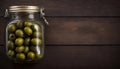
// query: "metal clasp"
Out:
[42,14]
[6,14]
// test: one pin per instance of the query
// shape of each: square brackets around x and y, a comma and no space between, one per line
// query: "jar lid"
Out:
[24,9]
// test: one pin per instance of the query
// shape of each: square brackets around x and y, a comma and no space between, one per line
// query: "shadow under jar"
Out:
[25,34]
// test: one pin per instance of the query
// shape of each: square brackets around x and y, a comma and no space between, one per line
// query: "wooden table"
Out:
[83,34]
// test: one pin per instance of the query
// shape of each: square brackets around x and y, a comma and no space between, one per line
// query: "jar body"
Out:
[25,38]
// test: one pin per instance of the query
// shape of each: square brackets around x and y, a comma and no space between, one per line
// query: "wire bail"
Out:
[42,14]
[6,13]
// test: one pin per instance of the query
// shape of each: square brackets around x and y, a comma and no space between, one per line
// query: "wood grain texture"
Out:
[83,31]
[71,8]
[3,24]
[70,57]
[77,31]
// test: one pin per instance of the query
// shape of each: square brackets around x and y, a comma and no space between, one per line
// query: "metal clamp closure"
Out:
[42,14]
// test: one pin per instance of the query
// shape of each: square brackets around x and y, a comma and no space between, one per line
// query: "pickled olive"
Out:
[31,55]
[11,28]
[19,33]
[27,41]
[20,24]
[36,41]
[35,27]
[19,41]
[37,34]
[19,49]
[12,37]
[11,53]
[20,56]
[33,48]
[27,23]
[28,30]
[10,45]
[26,49]
[38,55]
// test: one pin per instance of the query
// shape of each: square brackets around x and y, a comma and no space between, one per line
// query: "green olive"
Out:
[20,56]
[28,30]
[28,24]
[20,24]
[11,28]
[27,41]
[19,33]
[31,55]
[11,53]
[35,27]
[26,49]
[38,55]
[19,41]
[37,34]
[10,45]
[12,37]
[36,41]
[33,48]
[19,49]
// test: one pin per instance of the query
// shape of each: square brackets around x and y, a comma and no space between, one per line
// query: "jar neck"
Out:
[25,15]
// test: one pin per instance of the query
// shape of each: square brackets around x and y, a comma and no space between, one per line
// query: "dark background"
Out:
[83,34]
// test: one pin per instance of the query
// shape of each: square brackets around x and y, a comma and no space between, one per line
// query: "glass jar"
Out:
[25,34]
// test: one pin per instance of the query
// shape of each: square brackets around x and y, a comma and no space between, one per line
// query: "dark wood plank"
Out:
[72,8]
[71,30]
[83,31]
[70,57]
[3,24]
